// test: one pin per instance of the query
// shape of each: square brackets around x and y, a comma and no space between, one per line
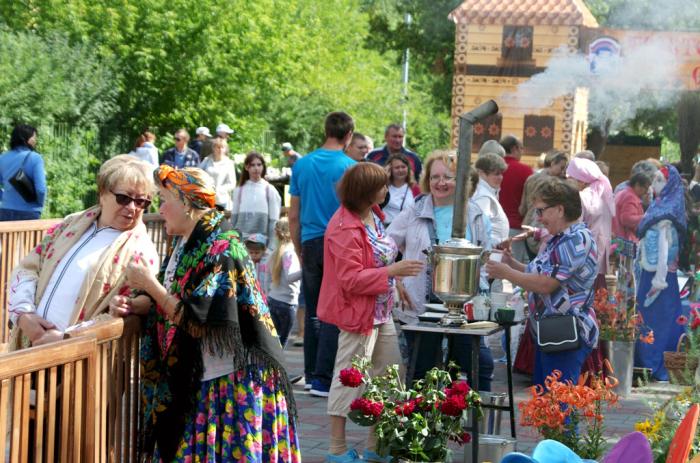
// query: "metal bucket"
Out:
[491,449]
[620,354]
[490,423]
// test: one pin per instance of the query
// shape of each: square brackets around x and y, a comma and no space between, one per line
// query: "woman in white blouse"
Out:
[222,169]
[256,203]
[79,265]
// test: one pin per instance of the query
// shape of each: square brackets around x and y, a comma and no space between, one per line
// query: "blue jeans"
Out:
[460,353]
[320,339]
[7,215]
[569,363]
[283,316]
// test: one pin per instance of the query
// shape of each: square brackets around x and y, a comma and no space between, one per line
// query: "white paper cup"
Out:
[499,300]
[495,256]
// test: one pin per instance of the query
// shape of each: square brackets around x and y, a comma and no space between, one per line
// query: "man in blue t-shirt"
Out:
[313,203]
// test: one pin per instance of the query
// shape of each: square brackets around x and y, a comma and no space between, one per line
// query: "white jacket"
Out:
[487,199]
[410,230]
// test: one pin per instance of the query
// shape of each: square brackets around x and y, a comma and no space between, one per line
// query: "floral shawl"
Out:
[101,283]
[221,303]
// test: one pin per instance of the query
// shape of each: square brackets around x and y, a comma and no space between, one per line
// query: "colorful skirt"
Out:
[240,417]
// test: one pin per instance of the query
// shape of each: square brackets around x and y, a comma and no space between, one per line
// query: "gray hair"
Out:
[490,163]
[586,154]
[492,147]
[127,169]
[644,167]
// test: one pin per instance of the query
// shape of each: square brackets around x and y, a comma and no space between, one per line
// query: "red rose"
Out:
[406,408]
[358,404]
[454,405]
[367,407]
[466,438]
[695,323]
[350,377]
[375,409]
[458,388]
[682,320]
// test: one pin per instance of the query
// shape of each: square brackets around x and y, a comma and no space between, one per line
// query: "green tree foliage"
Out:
[71,168]
[46,79]
[259,65]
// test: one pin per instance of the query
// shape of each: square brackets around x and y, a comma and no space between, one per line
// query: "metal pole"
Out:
[464,157]
[404,76]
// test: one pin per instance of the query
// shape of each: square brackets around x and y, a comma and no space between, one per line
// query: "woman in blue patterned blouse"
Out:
[560,279]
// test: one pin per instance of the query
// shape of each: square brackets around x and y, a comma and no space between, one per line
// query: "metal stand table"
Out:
[429,327]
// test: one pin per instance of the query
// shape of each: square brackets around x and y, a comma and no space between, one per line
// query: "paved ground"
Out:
[314,432]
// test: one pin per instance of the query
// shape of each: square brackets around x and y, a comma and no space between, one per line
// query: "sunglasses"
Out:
[125,200]
[178,139]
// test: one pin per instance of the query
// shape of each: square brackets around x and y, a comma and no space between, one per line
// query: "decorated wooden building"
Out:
[500,45]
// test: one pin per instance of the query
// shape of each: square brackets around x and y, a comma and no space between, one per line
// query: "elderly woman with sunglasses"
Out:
[76,270]
[559,280]
[214,384]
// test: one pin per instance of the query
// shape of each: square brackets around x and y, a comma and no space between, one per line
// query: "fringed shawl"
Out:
[222,310]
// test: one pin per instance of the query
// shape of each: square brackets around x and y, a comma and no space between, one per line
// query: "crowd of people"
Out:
[220,308]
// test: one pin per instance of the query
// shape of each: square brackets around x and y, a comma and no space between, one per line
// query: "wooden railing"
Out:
[74,400]
[17,239]
[116,381]
[47,397]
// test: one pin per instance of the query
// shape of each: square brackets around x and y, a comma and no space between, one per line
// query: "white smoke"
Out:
[645,76]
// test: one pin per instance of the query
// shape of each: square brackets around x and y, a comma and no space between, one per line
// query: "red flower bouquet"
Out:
[412,424]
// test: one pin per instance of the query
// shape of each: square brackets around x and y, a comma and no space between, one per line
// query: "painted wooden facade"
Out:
[498,47]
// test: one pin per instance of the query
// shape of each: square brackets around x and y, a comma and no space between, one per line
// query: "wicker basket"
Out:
[681,368]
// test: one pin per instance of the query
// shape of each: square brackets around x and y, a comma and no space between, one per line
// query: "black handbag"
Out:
[23,184]
[557,333]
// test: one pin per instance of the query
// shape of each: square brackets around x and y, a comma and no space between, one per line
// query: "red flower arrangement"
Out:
[557,410]
[412,424]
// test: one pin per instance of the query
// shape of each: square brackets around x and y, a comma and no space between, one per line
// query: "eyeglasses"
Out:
[540,210]
[444,178]
[125,200]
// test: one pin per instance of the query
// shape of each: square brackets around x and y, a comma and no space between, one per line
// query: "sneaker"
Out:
[298,343]
[307,386]
[348,457]
[369,455]
[319,389]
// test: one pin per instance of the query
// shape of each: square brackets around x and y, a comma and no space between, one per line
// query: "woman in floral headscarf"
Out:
[658,300]
[214,388]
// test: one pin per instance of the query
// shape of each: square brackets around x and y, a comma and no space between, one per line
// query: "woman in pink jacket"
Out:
[357,293]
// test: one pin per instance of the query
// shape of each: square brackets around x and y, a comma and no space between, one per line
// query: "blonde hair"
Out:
[125,169]
[448,157]
[284,242]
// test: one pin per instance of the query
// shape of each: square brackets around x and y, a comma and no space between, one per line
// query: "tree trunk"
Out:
[689,129]
[597,139]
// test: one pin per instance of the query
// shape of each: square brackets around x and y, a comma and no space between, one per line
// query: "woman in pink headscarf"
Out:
[598,206]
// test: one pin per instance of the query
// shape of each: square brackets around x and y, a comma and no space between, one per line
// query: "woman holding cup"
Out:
[560,279]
